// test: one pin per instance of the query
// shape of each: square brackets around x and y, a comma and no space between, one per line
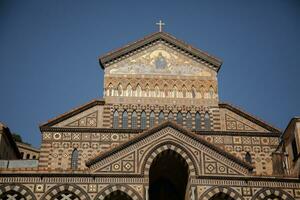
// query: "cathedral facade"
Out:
[160,132]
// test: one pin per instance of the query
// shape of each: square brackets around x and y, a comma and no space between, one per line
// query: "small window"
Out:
[125,119]
[193,92]
[157,92]
[22,155]
[170,116]
[161,117]
[147,90]
[143,120]
[207,121]
[33,157]
[120,90]
[179,118]
[166,91]
[152,119]
[27,156]
[110,90]
[294,149]
[175,91]
[184,91]
[116,120]
[198,121]
[189,120]
[134,120]
[138,91]
[248,157]
[74,159]
[129,90]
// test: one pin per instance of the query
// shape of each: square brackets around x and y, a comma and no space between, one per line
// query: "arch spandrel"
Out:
[130,158]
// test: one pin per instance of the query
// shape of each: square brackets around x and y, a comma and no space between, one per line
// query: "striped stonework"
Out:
[219,189]
[268,193]
[64,191]
[165,147]
[15,191]
[122,188]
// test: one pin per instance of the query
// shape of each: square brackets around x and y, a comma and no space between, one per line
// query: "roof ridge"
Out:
[133,46]
[251,117]
[71,112]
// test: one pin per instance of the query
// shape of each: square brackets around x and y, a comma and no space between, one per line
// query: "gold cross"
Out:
[160,24]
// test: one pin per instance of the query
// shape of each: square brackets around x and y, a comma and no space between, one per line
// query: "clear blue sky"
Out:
[49,50]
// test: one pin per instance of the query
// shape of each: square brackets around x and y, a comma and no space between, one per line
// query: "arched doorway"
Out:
[118,195]
[221,196]
[168,176]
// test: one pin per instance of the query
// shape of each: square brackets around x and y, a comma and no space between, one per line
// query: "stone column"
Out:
[146,193]
[193,193]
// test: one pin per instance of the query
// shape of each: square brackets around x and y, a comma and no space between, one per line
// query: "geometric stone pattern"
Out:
[58,146]
[259,147]
[219,189]
[268,193]
[168,138]
[234,124]
[15,192]
[123,188]
[86,121]
[66,192]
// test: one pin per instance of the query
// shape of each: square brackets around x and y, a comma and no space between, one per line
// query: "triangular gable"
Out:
[160,59]
[85,116]
[133,156]
[130,49]
[237,120]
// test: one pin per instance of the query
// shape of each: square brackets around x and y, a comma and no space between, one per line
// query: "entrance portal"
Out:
[168,177]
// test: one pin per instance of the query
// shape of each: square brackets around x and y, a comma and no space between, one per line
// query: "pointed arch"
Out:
[116,119]
[152,119]
[134,119]
[175,92]
[197,121]
[170,116]
[74,159]
[184,92]
[189,120]
[179,118]
[202,91]
[184,153]
[156,91]
[125,119]
[138,90]
[194,93]
[207,121]
[143,120]
[248,157]
[120,90]
[166,90]
[148,94]
[110,90]
[161,117]
[129,90]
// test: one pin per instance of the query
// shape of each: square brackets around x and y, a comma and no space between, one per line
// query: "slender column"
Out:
[146,193]
[193,193]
